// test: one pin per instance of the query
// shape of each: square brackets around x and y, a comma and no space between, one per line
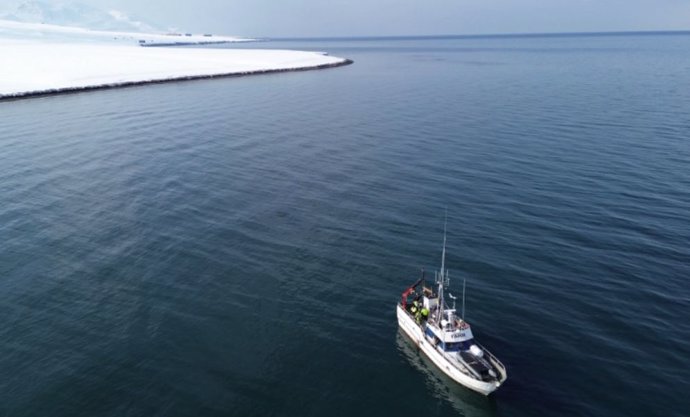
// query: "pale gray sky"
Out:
[288,18]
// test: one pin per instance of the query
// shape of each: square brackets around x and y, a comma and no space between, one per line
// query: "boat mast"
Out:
[464,280]
[443,254]
[442,276]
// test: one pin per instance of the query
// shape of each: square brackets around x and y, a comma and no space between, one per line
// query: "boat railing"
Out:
[494,360]
[461,324]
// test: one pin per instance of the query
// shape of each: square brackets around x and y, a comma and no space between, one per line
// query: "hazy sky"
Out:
[286,18]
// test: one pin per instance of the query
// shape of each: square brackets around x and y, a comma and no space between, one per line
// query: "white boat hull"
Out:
[414,332]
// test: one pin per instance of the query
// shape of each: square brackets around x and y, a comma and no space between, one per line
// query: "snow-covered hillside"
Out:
[65,48]
[54,33]
[72,14]
[70,21]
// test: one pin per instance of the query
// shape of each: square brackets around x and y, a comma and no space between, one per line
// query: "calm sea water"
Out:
[237,246]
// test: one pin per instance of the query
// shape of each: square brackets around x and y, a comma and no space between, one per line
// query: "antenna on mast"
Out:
[442,277]
[443,255]
[464,280]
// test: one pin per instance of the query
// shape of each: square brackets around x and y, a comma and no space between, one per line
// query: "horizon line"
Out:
[486,35]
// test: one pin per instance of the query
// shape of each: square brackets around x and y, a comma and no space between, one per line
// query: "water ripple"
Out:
[240,244]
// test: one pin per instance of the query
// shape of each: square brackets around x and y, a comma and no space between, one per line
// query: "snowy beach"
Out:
[37,59]
[30,67]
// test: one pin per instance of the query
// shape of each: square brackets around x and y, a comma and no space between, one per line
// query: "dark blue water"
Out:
[237,246]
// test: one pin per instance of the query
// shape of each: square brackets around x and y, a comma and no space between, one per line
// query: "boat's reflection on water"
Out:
[463,400]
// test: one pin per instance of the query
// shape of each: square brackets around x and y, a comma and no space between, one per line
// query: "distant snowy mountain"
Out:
[72,14]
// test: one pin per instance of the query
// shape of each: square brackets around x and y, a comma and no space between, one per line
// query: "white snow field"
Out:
[33,65]
[23,30]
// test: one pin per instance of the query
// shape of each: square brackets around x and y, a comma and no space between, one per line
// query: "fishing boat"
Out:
[444,336]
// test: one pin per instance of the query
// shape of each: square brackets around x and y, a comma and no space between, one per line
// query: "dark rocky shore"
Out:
[72,90]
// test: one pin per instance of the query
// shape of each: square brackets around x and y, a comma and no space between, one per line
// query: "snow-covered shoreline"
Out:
[34,68]
[39,59]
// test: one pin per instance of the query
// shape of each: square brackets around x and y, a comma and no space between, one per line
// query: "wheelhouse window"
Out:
[456,346]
